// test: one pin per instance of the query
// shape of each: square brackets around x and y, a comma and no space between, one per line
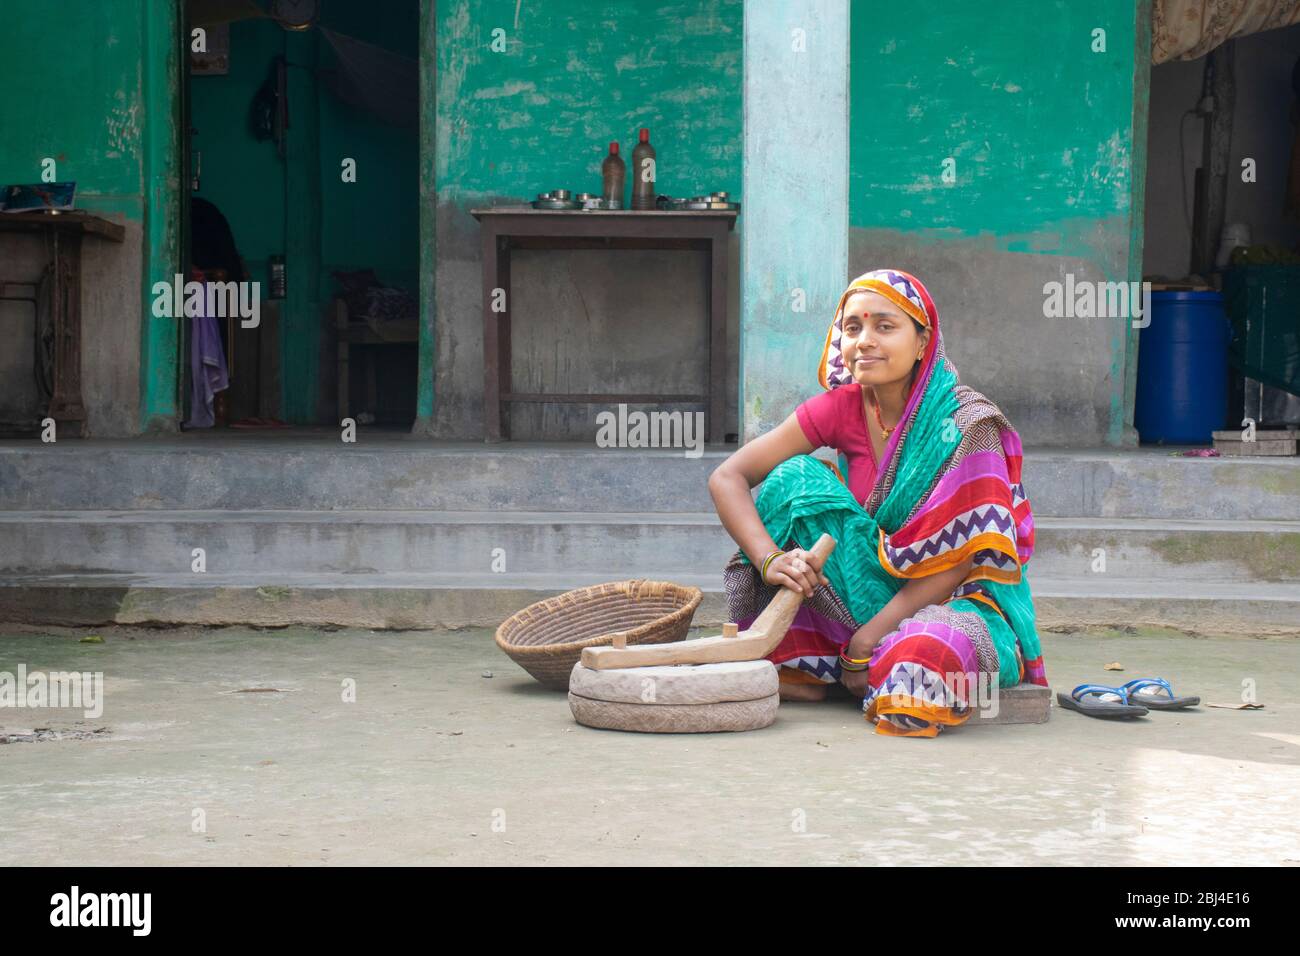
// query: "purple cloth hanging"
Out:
[208,370]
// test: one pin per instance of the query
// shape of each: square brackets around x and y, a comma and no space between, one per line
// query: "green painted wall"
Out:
[94,130]
[513,123]
[569,78]
[575,76]
[1047,134]
[1039,125]
[93,86]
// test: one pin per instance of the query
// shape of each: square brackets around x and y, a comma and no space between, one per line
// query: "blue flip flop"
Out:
[1154,698]
[1098,700]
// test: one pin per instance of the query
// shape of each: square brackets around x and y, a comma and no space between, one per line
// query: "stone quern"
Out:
[681,699]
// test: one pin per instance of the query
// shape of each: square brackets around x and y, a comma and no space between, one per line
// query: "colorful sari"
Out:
[949,488]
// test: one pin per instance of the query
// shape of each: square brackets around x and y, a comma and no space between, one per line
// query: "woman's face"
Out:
[879,342]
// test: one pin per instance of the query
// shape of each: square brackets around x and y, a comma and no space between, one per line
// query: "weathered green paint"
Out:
[570,77]
[93,129]
[93,86]
[1038,125]
[1048,138]
[573,77]
[160,337]
[428,222]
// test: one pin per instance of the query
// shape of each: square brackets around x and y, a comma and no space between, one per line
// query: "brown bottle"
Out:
[613,174]
[643,173]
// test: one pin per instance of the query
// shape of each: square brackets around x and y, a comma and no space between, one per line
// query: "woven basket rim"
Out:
[692,594]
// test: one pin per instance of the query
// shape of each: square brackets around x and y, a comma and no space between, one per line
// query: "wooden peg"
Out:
[729,629]
[620,639]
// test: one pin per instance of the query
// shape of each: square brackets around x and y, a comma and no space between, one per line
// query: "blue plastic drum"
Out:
[1182,380]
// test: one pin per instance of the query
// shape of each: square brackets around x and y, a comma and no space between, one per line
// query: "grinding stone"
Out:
[675,718]
[677,684]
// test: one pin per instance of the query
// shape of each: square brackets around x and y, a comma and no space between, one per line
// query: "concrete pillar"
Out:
[166,187]
[794,236]
[424,395]
[1123,393]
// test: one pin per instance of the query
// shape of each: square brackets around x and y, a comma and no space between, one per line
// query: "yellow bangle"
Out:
[852,663]
[762,575]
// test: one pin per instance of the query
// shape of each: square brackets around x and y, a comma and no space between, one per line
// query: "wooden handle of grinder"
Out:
[776,617]
[754,643]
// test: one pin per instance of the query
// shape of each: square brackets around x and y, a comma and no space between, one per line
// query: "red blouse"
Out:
[836,419]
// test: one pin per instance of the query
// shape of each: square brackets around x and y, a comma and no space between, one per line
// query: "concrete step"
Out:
[613,544]
[403,533]
[352,542]
[1168,549]
[436,601]
[410,475]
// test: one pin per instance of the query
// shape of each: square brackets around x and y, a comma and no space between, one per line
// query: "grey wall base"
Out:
[414,602]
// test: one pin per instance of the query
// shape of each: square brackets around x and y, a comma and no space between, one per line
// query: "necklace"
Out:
[875,407]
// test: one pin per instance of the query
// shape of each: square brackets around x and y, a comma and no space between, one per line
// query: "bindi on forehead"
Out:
[877,315]
[872,304]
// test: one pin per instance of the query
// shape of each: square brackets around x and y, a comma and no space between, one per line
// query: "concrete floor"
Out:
[435,763]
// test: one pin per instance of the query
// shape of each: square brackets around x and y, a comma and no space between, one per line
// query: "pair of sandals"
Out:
[1150,693]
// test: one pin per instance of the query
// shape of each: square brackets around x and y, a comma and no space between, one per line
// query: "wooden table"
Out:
[505,228]
[65,231]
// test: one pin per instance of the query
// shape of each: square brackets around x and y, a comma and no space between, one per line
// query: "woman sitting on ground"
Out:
[925,597]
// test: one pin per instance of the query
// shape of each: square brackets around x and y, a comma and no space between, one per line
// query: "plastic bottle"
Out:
[613,174]
[643,191]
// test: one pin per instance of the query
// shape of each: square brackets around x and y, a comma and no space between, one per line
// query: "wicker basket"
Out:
[546,639]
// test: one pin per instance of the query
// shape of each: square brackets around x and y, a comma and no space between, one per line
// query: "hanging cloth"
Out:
[1189,29]
[371,78]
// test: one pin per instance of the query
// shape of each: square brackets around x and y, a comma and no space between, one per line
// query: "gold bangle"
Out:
[762,575]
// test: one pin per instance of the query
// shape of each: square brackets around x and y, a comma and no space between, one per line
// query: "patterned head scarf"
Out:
[903,290]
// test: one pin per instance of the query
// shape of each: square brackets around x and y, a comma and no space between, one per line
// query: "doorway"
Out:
[301,156]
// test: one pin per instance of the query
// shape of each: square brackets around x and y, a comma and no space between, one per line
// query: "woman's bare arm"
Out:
[731,482]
